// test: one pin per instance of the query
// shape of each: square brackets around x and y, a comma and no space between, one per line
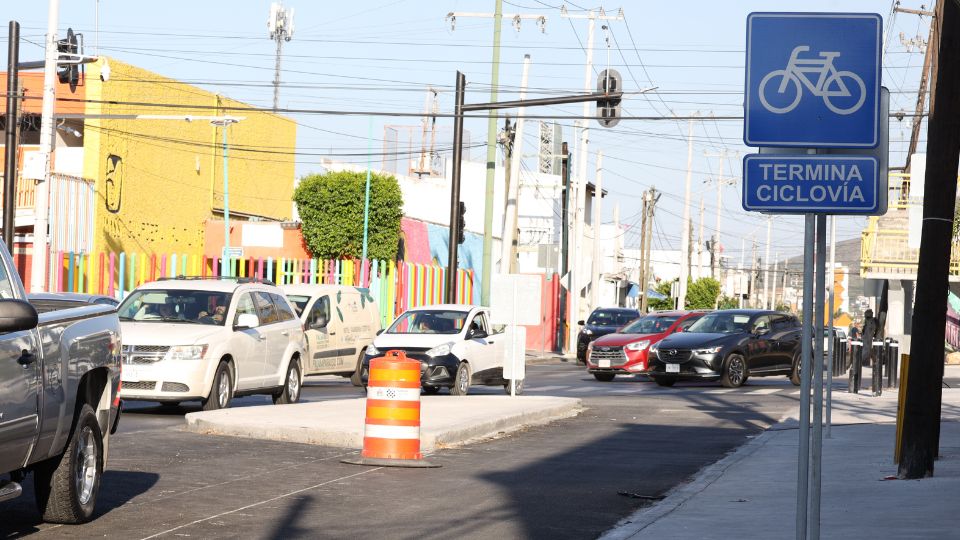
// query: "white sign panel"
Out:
[268,235]
[515,299]
[514,361]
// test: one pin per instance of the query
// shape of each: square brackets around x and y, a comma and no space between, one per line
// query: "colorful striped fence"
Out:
[395,287]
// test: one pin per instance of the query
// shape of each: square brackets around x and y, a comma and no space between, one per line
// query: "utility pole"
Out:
[932,41]
[721,181]
[700,245]
[38,269]
[920,441]
[508,245]
[651,210]
[498,15]
[597,210]
[280,26]
[766,266]
[576,250]
[643,251]
[753,276]
[564,243]
[773,282]
[10,136]
[684,229]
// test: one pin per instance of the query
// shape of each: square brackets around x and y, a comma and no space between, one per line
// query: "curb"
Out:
[499,426]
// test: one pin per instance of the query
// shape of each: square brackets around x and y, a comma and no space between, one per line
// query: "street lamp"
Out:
[224,122]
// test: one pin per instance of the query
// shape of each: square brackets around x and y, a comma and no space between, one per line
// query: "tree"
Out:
[728,302]
[331,209]
[667,303]
[703,293]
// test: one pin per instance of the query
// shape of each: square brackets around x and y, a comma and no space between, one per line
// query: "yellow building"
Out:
[157,161]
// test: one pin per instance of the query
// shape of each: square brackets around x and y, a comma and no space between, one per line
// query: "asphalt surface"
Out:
[574,478]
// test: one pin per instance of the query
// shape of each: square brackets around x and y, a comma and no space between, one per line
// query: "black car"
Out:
[601,322]
[729,346]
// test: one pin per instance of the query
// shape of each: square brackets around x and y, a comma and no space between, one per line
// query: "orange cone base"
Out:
[385,462]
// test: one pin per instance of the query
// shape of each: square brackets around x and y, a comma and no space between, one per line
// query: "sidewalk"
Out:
[751,493]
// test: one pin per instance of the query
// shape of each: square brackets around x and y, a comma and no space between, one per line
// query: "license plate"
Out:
[603,363]
[673,368]
[130,374]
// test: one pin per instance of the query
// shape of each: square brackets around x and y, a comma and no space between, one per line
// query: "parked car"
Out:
[625,352]
[59,380]
[730,346]
[602,321]
[210,339]
[455,344]
[47,301]
[339,322]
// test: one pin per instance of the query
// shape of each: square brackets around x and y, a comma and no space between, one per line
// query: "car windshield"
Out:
[429,322]
[721,323]
[611,317]
[652,324]
[299,302]
[175,305]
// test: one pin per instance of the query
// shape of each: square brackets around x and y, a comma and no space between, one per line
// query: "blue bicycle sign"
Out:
[813,80]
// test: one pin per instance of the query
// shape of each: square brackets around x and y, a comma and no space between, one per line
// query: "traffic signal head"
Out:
[68,68]
[609,82]
[460,222]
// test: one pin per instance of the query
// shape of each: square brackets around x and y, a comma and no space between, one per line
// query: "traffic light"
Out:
[608,110]
[460,221]
[68,65]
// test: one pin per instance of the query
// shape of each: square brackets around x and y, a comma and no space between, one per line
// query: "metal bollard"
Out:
[876,385]
[893,348]
[856,367]
[843,355]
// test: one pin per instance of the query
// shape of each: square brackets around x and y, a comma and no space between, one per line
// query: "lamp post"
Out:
[224,122]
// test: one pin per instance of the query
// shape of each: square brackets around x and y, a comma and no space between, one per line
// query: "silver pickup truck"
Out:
[59,387]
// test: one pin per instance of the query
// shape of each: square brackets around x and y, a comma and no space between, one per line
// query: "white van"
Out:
[340,321]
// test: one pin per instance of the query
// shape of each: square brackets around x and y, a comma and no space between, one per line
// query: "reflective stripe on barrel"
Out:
[392,426]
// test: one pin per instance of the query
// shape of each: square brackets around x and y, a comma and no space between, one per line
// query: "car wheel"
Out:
[356,378]
[604,377]
[517,387]
[430,390]
[66,487]
[734,371]
[663,381]
[461,382]
[222,390]
[291,387]
[795,372]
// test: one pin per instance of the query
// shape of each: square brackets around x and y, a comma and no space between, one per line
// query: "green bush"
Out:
[728,302]
[667,303]
[702,293]
[331,210]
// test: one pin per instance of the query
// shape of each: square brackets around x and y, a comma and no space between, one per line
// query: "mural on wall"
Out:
[426,243]
[114,183]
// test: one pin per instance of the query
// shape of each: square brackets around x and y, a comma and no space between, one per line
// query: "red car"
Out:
[625,352]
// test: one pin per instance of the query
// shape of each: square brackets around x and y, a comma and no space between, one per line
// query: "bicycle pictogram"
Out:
[829,83]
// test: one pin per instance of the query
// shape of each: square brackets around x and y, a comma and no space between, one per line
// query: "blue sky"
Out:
[382,55]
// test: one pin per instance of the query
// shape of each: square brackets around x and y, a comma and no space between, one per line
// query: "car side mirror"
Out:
[581,323]
[476,334]
[246,320]
[380,331]
[17,315]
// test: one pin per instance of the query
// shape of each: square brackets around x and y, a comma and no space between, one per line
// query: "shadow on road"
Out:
[20,517]
[292,525]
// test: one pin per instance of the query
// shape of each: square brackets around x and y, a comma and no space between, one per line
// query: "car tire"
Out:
[461,382]
[356,379]
[734,371]
[517,389]
[221,392]
[604,377]
[664,381]
[66,487]
[291,385]
[430,390]
[795,372]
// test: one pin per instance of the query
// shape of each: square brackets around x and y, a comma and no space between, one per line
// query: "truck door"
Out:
[250,345]
[323,340]
[20,380]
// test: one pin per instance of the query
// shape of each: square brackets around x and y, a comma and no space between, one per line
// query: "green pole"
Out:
[491,162]
[227,263]
[366,200]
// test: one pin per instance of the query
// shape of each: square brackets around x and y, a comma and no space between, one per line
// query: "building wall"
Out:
[159,180]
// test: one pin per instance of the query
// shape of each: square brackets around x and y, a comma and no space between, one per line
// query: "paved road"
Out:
[572,479]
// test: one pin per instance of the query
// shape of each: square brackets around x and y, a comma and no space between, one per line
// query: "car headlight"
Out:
[372,351]
[638,346]
[186,352]
[587,332]
[440,350]
[708,350]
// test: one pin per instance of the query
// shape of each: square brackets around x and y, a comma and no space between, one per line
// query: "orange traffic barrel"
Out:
[391,435]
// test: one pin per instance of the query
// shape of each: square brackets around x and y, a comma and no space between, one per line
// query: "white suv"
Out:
[210,339]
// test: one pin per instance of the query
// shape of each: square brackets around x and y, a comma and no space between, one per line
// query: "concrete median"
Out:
[446,421]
